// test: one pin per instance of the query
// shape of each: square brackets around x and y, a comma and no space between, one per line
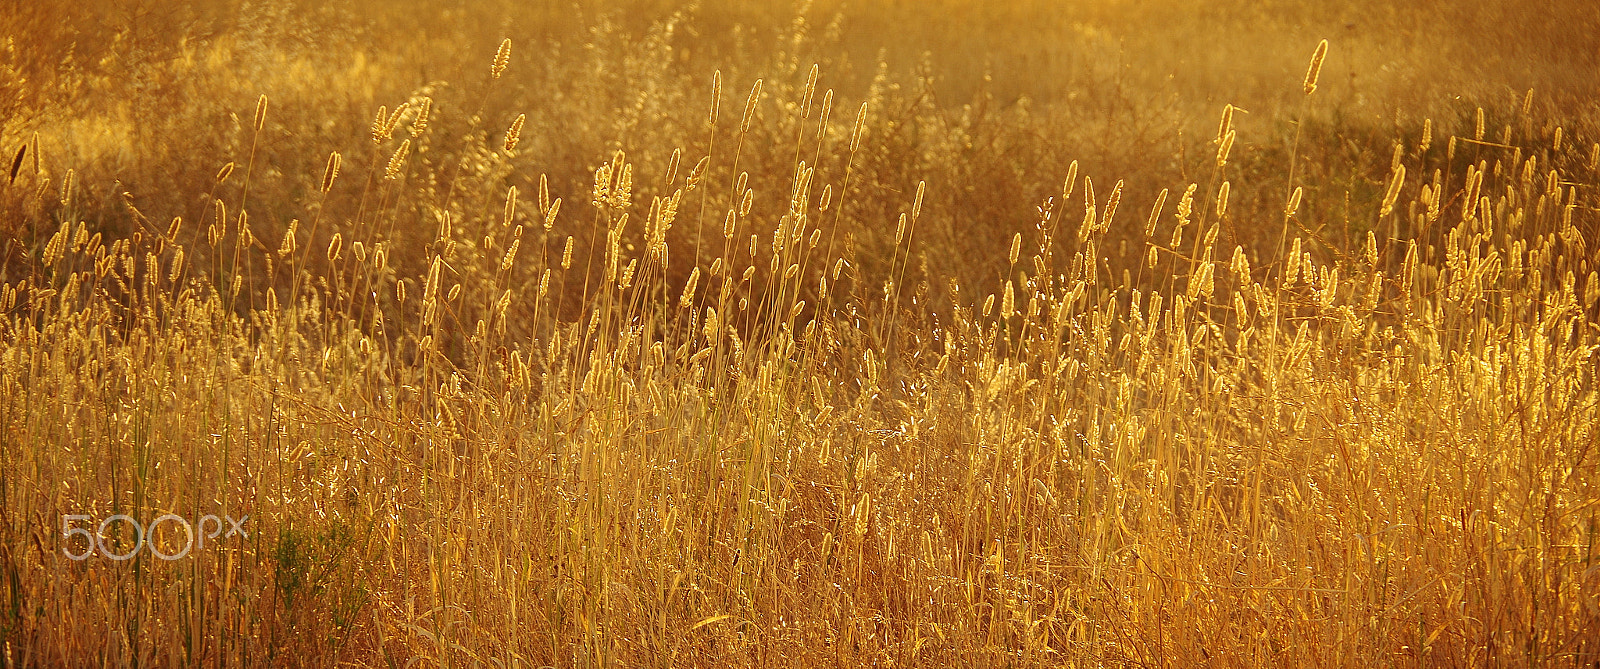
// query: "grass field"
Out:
[944,333]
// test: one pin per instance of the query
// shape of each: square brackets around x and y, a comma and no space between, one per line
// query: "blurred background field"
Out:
[988,102]
[944,418]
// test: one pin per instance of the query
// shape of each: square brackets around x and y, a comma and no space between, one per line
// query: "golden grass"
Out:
[1084,444]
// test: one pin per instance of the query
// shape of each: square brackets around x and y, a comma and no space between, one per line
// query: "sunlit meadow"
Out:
[946,333]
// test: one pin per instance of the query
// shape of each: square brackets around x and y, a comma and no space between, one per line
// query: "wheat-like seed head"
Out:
[716,97]
[1223,149]
[809,91]
[827,109]
[621,193]
[420,122]
[219,223]
[1315,70]
[1185,210]
[566,254]
[1155,213]
[502,58]
[393,121]
[511,255]
[289,240]
[601,191]
[550,216]
[750,107]
[514,134]
[16,163]
[261,112]
[397,162]
[1292,264]
[380,122]
[177,268]
[860,129]
[1392,195]
[627,274]
[444,228]
[66,187]
[1240,265]
[1111,206]
[712,328]
[688,289]
[331,171]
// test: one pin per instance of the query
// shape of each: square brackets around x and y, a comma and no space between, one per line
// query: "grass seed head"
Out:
[261,112]
[1315,70]
[860,129]
[419,124]
[502,58]
[750,107]
[716,97]
[331,171]
[397,162]
[514,133]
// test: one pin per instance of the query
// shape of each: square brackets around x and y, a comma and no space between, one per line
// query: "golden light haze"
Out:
[939,333]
